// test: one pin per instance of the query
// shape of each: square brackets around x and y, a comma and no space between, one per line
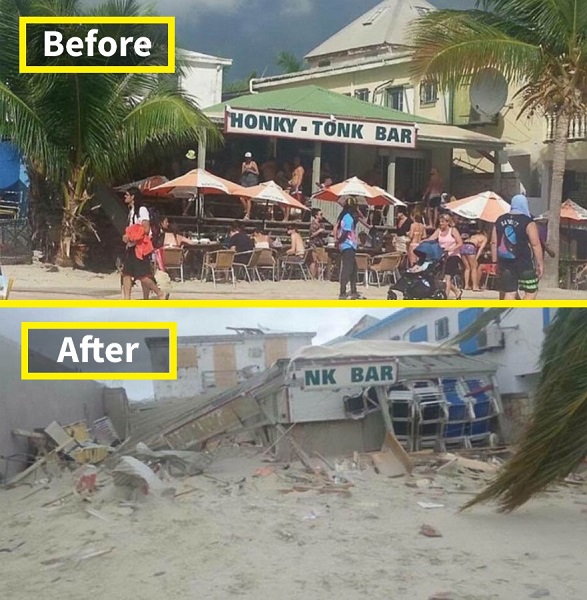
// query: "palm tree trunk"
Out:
[551,265]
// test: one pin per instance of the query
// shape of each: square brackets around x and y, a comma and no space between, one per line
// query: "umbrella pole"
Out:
[198,213]
[265,213]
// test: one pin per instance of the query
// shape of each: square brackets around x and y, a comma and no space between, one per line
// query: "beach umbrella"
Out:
[195,182]
[487,206]
[271,193]
[395,201]
[144,185]
[571,214]
[365,193]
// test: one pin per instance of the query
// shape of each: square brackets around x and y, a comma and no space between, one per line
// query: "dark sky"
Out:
[253,32]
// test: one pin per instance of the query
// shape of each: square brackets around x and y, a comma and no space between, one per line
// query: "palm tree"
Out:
[539,45]
[75,130]
[555,440]
[288,62]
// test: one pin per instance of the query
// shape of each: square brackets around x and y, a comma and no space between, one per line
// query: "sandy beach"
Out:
[243,532]
[42,282]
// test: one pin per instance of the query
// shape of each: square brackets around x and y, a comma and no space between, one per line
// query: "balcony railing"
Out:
[577,129]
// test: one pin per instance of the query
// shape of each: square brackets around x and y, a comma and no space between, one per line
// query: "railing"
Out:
[15,242]
[577,129]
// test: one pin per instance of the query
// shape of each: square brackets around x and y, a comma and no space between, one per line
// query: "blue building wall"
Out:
[10,165]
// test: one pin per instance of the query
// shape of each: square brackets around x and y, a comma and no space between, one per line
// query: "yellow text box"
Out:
[22,53]
[169,328]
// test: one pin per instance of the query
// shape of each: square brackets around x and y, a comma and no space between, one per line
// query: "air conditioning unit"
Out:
[490,338]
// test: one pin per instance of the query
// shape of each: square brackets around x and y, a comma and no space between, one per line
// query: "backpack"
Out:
[507,247]
[157,234]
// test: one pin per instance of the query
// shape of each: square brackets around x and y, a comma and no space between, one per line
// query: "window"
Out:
[394,98]
[428,92]
[441,327]
[362,94]
[419,335]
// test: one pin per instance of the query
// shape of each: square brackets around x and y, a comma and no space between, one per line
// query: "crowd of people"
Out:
[511,249]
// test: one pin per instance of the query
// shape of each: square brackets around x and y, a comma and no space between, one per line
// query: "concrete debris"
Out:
[429,531]
[179,462]
[132,473]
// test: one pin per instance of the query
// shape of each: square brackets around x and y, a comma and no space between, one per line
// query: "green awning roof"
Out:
[312,99]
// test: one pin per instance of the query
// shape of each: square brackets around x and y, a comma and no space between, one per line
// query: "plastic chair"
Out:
[267,261]
[219,261]
[290,263]
[322,259]
[251,266]
[173,260]
[386,264]
[363,266]
[488,276]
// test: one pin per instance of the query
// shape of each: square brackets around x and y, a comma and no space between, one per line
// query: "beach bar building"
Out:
[329,400]
[348,135]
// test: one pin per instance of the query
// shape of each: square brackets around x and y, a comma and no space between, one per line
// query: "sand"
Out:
[238,536]
[37,281]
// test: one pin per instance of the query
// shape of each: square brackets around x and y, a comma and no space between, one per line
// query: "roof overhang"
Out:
[414,361]
[337,69]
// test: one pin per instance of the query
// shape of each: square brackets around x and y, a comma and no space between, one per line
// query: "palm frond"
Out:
[165,117]
[28,131]
[452,46]
[555,441]
[554,22]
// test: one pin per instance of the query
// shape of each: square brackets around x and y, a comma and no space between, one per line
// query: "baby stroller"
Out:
[425,280]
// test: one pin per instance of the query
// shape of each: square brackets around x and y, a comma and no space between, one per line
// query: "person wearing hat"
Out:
[517,251]
[346,236]
[249,178]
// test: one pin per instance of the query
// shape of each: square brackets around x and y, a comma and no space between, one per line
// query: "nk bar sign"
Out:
[340,376]
[320,128]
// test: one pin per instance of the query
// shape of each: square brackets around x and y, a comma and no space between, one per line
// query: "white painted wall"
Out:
[203,77]
[249,352]
[523,329]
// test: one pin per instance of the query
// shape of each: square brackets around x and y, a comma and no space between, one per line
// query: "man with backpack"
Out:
[138,238]
[516,248]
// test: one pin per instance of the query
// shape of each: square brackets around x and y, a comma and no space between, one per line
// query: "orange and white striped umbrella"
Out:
[487,206]
[272,193]
[197,181]
[354,186]
[572,211]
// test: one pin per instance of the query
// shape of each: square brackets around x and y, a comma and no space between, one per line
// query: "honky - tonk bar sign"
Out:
[319,128]
[350,375]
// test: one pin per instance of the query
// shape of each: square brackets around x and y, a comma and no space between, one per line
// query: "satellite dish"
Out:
[489,92]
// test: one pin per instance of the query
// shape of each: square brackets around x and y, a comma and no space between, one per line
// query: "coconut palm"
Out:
[75,130]
[539,45]
[555,440]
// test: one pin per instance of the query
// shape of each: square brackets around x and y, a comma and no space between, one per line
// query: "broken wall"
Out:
[335,438]
[35,404]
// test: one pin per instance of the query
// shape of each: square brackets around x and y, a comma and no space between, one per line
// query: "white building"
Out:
[202,77]
[514,344]
[212,363]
